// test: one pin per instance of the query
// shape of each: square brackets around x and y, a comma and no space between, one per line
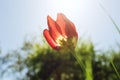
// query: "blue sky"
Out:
[19,18]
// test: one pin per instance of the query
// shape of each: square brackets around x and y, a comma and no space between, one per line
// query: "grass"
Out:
[118,30]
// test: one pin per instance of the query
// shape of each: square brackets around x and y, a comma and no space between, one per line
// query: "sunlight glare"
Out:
[67,6]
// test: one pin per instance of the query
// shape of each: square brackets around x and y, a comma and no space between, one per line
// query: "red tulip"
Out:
[61,33]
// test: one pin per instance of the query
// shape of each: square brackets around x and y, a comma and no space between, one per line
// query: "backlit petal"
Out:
[53,28]
[50,40]
[67,27]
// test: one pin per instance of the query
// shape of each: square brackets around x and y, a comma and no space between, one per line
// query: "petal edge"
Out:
[50,40]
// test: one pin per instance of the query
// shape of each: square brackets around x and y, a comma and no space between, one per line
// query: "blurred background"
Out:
[25,55]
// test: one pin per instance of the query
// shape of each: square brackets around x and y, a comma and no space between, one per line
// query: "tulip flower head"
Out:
[61,34]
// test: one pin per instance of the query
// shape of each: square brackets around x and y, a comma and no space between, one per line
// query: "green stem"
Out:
[79,61]
[115,69]
[88,69]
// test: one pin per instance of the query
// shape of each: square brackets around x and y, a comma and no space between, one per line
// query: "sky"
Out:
[22,18]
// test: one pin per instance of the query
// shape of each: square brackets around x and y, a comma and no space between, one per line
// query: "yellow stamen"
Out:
[61,40]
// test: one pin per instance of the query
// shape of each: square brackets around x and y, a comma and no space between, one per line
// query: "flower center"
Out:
[61,40]
[66,44]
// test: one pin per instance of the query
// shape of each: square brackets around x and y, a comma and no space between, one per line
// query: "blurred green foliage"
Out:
[39,62]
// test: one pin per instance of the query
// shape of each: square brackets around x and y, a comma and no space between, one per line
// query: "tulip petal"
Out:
[50,40]
[53,28]
[67,27]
